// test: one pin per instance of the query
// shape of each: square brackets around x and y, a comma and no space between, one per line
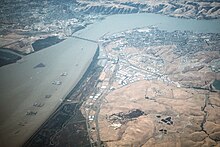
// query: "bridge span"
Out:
[85,39]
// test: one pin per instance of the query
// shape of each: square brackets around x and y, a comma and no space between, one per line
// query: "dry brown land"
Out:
[183,9]
[195,116]
[177,107]
[41,21]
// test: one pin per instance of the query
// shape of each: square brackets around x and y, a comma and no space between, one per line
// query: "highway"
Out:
[21,85]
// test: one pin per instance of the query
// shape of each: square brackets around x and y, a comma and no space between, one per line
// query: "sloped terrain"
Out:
[172,116]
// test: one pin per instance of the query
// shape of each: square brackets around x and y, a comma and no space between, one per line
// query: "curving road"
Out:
[22,85]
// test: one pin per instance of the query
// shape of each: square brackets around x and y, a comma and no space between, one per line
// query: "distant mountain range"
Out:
[30,11]
[205,9]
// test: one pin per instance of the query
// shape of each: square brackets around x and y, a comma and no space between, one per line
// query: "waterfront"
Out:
[116,23]
[22,85]
[28,95]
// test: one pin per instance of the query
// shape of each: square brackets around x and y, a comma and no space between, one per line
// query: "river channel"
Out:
[22,85]
[117,23]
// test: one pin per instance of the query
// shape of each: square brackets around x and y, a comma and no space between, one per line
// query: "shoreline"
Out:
[36,84]
[76,105]
[20,126]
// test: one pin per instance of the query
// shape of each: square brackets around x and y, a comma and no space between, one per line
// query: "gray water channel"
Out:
[21,85]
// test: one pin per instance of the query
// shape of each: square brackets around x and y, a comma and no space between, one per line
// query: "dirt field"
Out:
[172,116]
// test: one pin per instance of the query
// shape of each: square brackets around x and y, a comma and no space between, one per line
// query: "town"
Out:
[153,55]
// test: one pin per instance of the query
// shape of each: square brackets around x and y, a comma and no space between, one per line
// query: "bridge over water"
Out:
[85,39]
